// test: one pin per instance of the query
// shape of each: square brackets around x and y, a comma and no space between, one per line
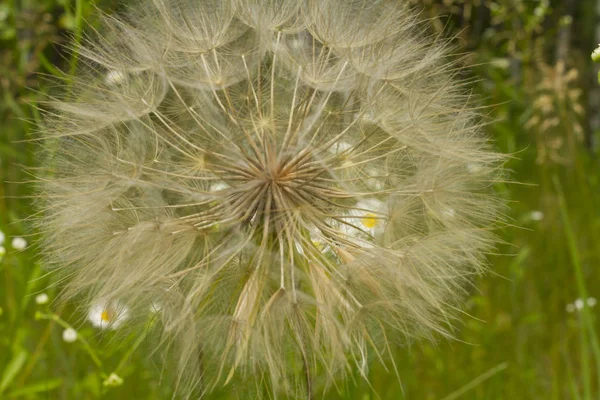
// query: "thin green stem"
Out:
[586,317]
[64,324]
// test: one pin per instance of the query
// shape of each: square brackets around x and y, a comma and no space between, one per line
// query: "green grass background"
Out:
[516,340]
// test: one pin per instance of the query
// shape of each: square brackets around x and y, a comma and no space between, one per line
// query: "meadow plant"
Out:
[291,186]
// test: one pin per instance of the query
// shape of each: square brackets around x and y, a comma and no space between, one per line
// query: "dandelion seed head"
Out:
[287,180]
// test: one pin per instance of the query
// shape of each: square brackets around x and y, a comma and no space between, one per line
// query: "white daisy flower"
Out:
[368,216]
[69,335]
[106,315]
[18,243]
[316,238]
[363,222]
[41,298]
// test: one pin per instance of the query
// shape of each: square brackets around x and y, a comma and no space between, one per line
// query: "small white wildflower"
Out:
[596,54]
[42,298]
[591,301]
[579,304]
[69,335]
[536,215]
[18,243]
[501,63]
[113,380]
[566,20]
[539,11]
[115,77]
[369,216]
[105,315]
[362,223]
[316,238]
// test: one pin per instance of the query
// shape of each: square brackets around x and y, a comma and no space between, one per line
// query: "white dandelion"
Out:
[536,215]
[300,172]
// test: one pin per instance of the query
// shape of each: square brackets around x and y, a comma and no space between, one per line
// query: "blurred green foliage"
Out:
[530,328]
